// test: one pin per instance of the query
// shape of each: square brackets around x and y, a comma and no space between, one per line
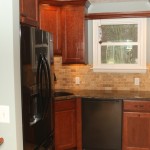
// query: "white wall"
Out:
[119,7]
[116,7]
[148,42]
[10,74]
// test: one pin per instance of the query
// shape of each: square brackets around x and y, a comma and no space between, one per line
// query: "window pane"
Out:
[119,33]
[119,54]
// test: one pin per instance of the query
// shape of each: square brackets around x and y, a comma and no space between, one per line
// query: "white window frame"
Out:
[140,67]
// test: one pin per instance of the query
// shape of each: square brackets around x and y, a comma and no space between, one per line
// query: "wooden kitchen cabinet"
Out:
[29,12]
[73,27]
[136,125]
[65,19]
[68,124]
[50,20]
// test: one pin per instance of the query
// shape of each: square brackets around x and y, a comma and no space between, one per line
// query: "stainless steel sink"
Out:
[58,94]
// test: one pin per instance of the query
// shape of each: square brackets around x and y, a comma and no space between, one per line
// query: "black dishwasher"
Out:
[101,124]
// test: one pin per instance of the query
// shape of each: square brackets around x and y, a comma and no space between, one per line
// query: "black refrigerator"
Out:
[37,88]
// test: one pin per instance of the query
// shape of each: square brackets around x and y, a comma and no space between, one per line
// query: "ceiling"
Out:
[106,1]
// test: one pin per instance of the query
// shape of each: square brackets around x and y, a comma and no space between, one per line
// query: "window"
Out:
[119,45]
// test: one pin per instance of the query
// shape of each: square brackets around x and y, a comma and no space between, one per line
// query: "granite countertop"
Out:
[106,94]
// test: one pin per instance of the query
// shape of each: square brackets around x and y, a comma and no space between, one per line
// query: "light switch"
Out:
[4,114]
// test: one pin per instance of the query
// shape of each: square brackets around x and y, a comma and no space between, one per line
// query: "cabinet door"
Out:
[65,125]
[50,21]
[29,12]
[136,131]
[73,50]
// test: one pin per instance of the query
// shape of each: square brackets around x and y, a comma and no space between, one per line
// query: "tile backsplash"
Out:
[66,74]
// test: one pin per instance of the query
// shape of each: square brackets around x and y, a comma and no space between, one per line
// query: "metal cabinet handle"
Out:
[139,106]
[1,141]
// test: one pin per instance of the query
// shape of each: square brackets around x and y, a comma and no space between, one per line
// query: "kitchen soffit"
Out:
[108,1]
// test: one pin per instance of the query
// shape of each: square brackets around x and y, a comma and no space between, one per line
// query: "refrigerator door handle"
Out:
[47,74]
[43,69]
[36,116]
[39,85]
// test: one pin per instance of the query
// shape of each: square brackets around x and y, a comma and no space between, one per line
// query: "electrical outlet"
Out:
[136,81]
[77,80]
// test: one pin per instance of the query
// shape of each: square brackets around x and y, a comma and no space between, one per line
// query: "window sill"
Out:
[120,70]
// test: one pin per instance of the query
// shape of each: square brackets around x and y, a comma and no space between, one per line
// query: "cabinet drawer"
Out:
[133,105]
[65,105]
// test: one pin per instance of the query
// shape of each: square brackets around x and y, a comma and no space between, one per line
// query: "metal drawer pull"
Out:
[1,141]
[139,106]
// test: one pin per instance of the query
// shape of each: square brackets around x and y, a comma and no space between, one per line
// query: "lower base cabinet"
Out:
[67,125]
[136,125]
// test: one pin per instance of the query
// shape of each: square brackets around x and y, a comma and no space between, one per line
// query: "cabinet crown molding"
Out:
[112,15]
[65,2]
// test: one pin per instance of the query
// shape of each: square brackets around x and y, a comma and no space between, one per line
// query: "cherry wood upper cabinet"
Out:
[29,12]
[73,27]
[136,125]
[65,19]
[50,21]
